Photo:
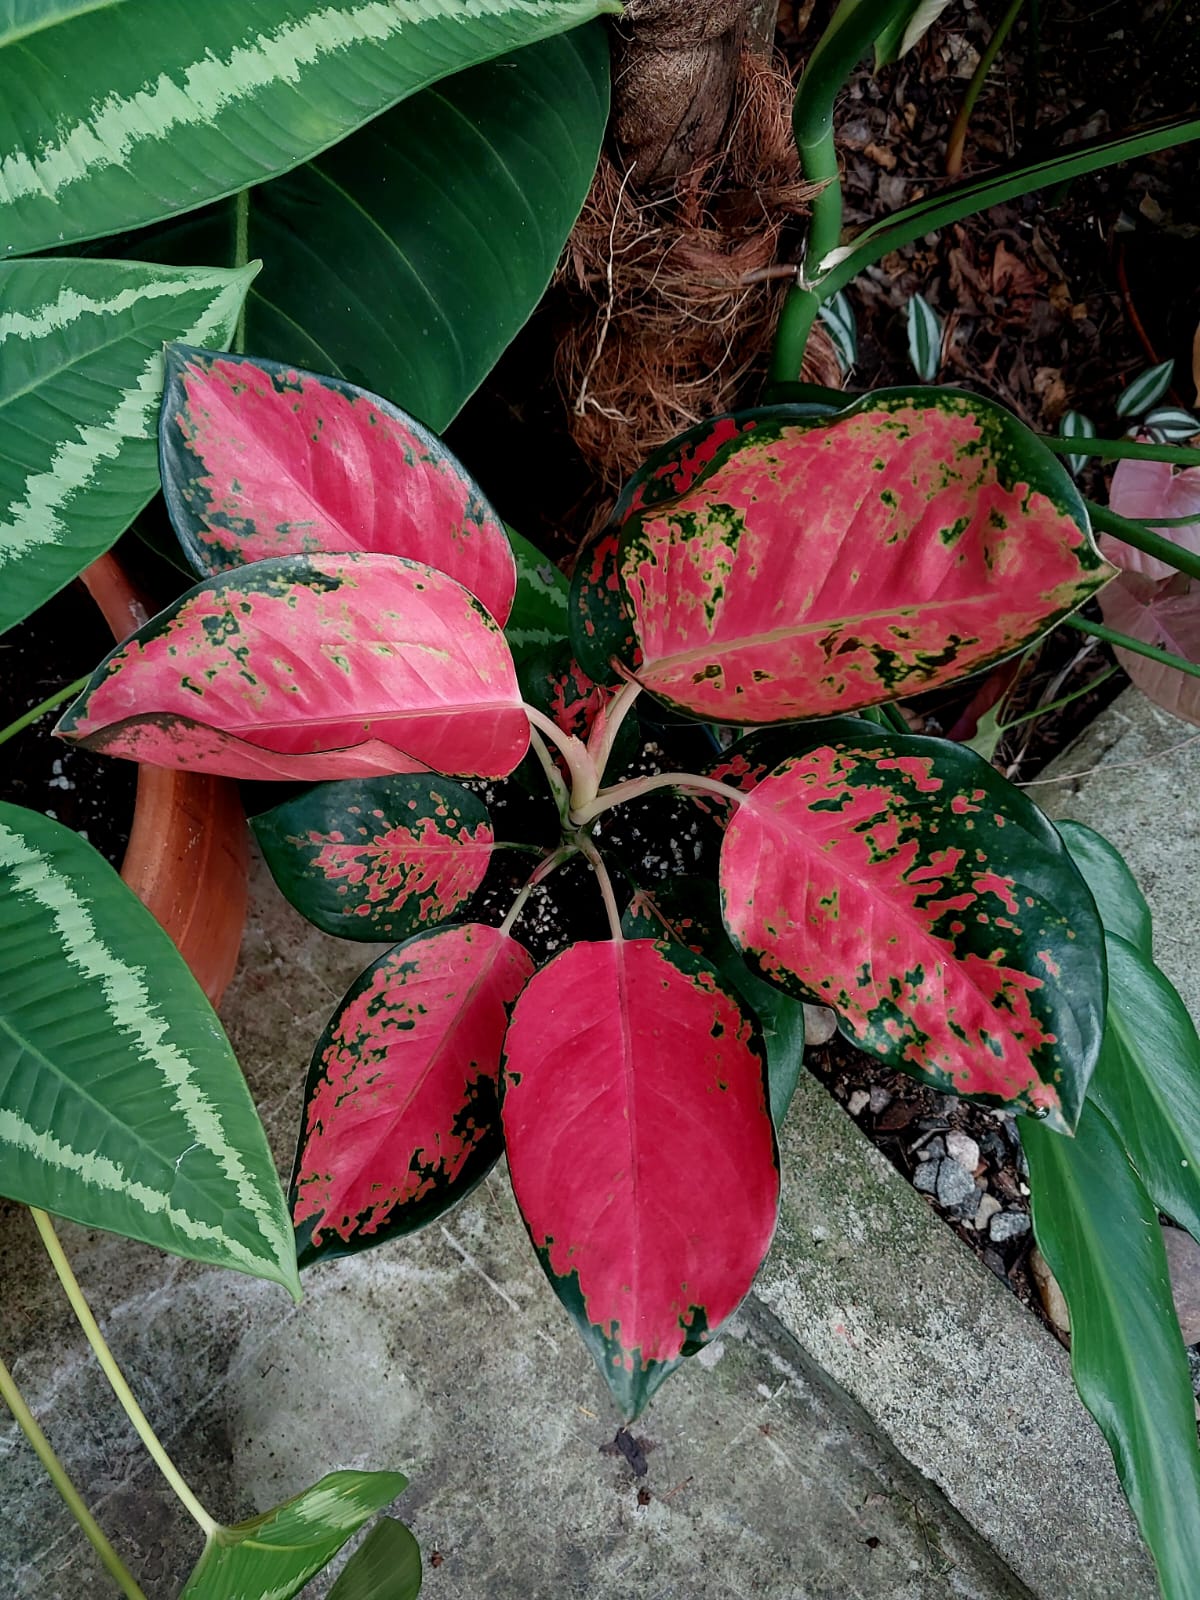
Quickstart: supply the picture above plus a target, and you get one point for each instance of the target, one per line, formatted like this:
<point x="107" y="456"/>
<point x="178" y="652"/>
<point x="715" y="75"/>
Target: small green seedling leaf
<point x="1146" y="390"/>
<point x="386" y="1566"/>
<point x="1076" y="426"/>
<point x="838" y="316"/>
<point x="924" y="338"/>
<point x="273" y="1556"/>
<point x="1170" y="425"/>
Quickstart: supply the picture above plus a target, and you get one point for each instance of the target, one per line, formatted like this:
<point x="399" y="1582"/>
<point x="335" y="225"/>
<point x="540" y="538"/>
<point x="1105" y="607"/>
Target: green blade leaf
<point x="1099" y="1231"/>
<point x="273" y="1556"/>
<point x="1145" y="390"/>
<point x="81" y="372"/>
<point x="20" y="18"/>
<point x="924" y="338"/>
<point x="121" y="1104"/>
<point x="910" y="22"/>
<point x="95" y="110"/>
<point x="386" y="1566"/>
<point x="1121" y="904"/>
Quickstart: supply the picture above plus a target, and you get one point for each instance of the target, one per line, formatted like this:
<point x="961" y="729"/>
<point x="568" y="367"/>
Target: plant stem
<point x="1121" y="450"/>
<point x="540" y="873"/>
<point x="562" y="795"/>
<point x="1126" y="642"/>
<point x="83" y="1314"/>
<point x="633" y="788"/>
<point x="893" y="718"/>
<point x="1063" y="700"/>
<point x="606" y="889"/>
<point x="28" y="1425"/>
<point x="56" y="699"/>
<point x="616" y="711"/>
<point x="241" y="254"/>
<point x="1141" y="538"/>
<point x="854" y="27"/>
<point x="584" y="781"/>
<point x="958" y="133"/>
<point x="1165" y="522"/>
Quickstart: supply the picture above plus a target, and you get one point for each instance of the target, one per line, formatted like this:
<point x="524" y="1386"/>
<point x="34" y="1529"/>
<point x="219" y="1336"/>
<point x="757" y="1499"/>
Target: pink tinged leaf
<point x="380" y="859"/>
<point x="1165" y="613"/>
<point x="641" y="1150"/>
<point x="933" y="907"/>
<point x="1145" y="490"/>
<point x="401" y="1118"/>
<point x="324" y="666"/>
<point x="821" y="567"/>
<point x="261" y="460"/>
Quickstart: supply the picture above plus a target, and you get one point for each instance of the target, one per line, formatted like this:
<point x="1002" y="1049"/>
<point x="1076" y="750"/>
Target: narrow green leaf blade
<point x="273" y="1556"/>
<point x="1099" y="1231"/>
<point x="1119" y="900"/>
<point x="20" y="18"/>
<point x="95" y="110"/>
<point x="386" y="1566"/>
<point x="121" y="1104"/>
<point x="924" y="338"/>
<point x="1076" y="426"/>
<point x="81" y="372"/>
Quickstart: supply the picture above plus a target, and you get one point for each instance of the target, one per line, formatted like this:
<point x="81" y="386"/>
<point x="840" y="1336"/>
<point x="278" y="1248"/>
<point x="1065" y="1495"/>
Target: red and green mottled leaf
<point x="813" y="567"/>
<point x="380" y="858"/>
<point x="401" y="1118"/>
<point x="597" y="613"/>
<point x="906" y="884"/>
<point x="748" y="760"/>
<point x="324" y="666"/>
<point x="554" y="682"/>
<point x="641" y="1150"/>
<point x="259" y="459"/>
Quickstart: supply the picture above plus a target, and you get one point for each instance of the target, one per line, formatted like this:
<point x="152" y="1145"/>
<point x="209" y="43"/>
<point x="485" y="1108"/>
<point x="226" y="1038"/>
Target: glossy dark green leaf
<point x="95" y="110"/>
<point x="121" y="1103"/>
<point x="1099" y="1231"/>
<point x="538" y="619"/>
<point x="386" y="1566"/>
<point x="273" y="1556"/>
<point x="1119" y="900"/>
<point x="378" y="858"/>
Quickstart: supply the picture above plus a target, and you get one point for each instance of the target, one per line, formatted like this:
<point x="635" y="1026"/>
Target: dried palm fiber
<point x="668" y="311"/>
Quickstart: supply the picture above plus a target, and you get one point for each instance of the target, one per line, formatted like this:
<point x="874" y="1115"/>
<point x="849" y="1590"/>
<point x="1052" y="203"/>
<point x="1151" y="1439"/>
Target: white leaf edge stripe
<point x="924" y="338"/>
<point x="131" y="1011"/>
<point x="213" y="85"/>
<point x="1147" y="388"/>
<point x="36" y="519"/>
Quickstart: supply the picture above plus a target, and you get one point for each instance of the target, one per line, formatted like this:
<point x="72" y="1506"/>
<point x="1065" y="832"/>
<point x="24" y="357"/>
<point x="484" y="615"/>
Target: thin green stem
<point x="91" y="1329"/>
<point x="1063" y="700"/>
<point x="633" y="788"/>
<point x="1179" y="455"/>
<point x="44" y="1451"/>
<point x="893" y="718"/>
<point x="1166" y="522"/>
<point x="606" y="888"/>
<point x="56" y="699"/>
<point x="541" y="872"/>
<point x="584" y="781"/>
<point x="615" y="713"/>
<point x="1143" y="539"/>
<point x="1126" y="642"/>
<point x="241" y="254"/>
<point x="958" y="133"/>
<point x="560" y="791"/>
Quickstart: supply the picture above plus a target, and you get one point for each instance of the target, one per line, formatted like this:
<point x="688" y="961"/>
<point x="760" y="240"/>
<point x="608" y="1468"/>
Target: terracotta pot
<point x="188" y="855"/>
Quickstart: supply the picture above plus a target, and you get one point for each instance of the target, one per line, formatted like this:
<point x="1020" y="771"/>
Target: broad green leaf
<point x="378" y="858"/>
<point x="81" y="372"/>
<point x="95" y="111"/>
<point x="1145" y="390"/>
<point x="924" y="338"/>
<point x="641" y="1150"/>
<point x="20" y="18"/>
<point x="273" y="1556"/>
<point x="401" y="1108"/>
<point x="121" y="1104"/>
<point x="1119" y="900"/>
<point x="538" y="618"/>
<point x="906" y="884"/>
<point x="798" y="566"/>
<point x="1098" y="1229"/>
<point x="386" y="1566"/>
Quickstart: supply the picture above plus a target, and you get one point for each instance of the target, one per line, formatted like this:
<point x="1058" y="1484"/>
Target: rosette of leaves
<point x="355" y="624"/>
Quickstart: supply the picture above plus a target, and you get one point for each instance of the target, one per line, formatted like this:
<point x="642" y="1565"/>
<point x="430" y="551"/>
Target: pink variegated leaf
<point x="401" y="1115"/>
<point x="380" y="859"/>
<point x="1145" y="490"/>
<point x="814" y="567"/>
<point x="260" y="459"/>
<point x="1165" y="613"/>
<point x="641" y="1150"/>
<point x="324" y="666"/>
<point x="905" y="883"/>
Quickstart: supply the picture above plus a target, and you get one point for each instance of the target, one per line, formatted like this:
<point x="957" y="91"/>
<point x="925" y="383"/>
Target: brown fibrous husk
<point x="671" y="304"/>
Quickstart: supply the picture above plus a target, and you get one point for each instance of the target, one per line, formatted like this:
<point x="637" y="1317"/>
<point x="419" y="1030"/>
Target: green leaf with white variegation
<point x="1146" y="390"/>
<point x="911" y="20"/>
<point x="273" y="1556"/>
<point x="95" y="110"/>
<point x="386" y="1566"/>
<point x="538" y="618"/>
<point x="838" y="316"/>
<point x="1076" y="426"/>
<point x="121" y="1103"/>
<point x="924" y="338"/>
<point x="81" y="372"/>
<point x="1098" y="1230"/>
<point x="1170" y="425"/>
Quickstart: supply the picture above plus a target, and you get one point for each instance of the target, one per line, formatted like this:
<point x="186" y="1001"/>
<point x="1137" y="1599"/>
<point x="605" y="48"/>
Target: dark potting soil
<point x="92" y="794"/>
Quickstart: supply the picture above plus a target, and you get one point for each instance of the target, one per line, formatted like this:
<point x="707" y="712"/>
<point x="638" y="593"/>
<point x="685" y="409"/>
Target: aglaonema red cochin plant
<point x="781" y="570"/>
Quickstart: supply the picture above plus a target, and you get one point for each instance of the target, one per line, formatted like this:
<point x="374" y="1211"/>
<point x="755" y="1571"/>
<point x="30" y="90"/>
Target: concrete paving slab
<point x="448" y="1357"/>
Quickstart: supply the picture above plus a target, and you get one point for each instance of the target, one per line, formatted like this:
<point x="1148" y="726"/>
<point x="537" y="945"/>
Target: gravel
<point x="1006" y="1225"/>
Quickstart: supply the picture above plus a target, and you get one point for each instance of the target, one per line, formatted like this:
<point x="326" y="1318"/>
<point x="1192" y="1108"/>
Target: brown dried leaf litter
<point x="670" y="309"/>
